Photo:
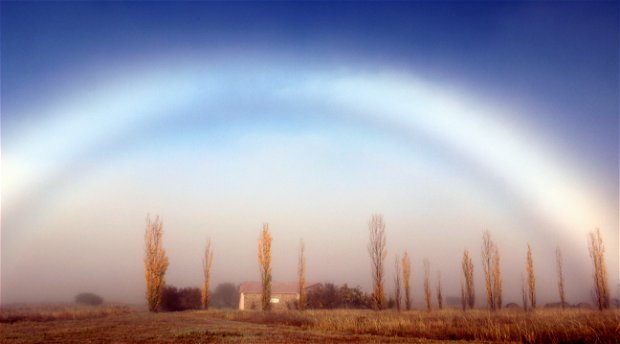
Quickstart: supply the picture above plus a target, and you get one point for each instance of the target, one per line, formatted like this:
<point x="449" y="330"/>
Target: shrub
<point x="174" y="299"/>
<point x="226" y="295"/>
<point x="190" y="298"/>
<point x="328" y="296"/>
<point x="88" y="299"/>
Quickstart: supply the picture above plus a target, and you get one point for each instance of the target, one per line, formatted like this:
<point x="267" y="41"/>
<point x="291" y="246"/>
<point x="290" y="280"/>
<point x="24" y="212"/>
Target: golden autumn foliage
<point x="497" y="279"/>
<point x="377" y="251"/>
<point x="468" y="292"/>
<point x="439" y="291"/>
<point x="301" y="275"/>
<point x="264" y="263"/>
<point x="492" y="272"/>
<point x="531" y="279"/>
<point x="406" y="264"/>
<point x="397" y="292"/>
<point x="597" y="253"/>
<point x="524" y="293"/>
<point x="207" y="260"/>
<point x="559" y="264"/>
<point x="428" y="293"/>
<point x="155" y="262"/>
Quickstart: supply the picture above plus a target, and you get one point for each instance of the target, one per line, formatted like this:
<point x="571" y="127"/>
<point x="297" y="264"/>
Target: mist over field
<point x="448" y="119"/>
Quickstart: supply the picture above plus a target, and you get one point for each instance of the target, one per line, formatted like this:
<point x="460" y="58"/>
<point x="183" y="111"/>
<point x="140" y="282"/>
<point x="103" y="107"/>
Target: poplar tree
<point x="264" y="263"/>
<point x="155" y="263"/>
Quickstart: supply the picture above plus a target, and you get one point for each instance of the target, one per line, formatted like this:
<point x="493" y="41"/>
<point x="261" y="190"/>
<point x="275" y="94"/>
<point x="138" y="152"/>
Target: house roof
<point x="277" y="287"/>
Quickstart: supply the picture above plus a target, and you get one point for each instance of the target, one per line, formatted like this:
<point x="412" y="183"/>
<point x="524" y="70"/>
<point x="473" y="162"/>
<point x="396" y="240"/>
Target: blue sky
<point x="447" y="117"/>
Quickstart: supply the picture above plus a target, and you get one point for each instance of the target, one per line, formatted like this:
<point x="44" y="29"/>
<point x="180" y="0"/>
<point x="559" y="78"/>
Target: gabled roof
<point x="277" y="287"/>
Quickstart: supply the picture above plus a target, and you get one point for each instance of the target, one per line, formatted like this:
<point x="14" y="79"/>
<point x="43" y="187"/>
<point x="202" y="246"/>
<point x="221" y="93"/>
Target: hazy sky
<point x="447" y="118"/>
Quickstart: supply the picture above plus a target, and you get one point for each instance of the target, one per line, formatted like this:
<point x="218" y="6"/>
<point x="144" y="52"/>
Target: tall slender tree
<point x="207" y="261"/>
<point x="439" y="291"/>
<point x="559" y="264"/>
<point x="597" y="253"/>
<point x="264" y="263"/>
<point x="497" y="279"/>
<point x="524" y="296"/>
<point x="531" y="279"/>
<point x="428" y="293"/>
<point x="487" y="266"/>
<point x="378" y="252"/>
<point x="406" y="279"/>
<point x="463" y="298"/>
<point x="397" y="296"/>
<point x="301" y="275"/>
<point x="492" y="272"/>
<point x="155" y="262"/>
<point x="468" y="274"/>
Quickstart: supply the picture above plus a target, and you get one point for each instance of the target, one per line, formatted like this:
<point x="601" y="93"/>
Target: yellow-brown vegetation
<point x="497" y="279"/>
<point x="559" y="264"/>
<point x="397" y="296"/>
<point x="377" y="251"/>
<point x="428" y="293"/>
<point x="155" y="262"/>
<point x="597" y="253"/>
<point x="468" y="293"/>
<point x="492" y="272"/>
<point x="264" y="263"/>
<point x="531" y="279"/>
<point x="406" y="263"/>
<point x="207" y="260"/>
<point x="439" y="291"/>
<point x="539" y="326"/>
<point x="301" y="275"/>
<point x="312" y="326"/>
<point x="59" y="312"/>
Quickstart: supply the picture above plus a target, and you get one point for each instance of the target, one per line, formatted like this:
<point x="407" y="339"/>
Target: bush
<point x="226" y="295"/>
<point x="329" y="296"/>
<point x="174" y="299"/>
<point x="88" y="299"/>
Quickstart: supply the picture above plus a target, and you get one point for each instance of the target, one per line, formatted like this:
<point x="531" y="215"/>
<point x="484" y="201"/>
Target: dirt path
<point x="185" y="327"/>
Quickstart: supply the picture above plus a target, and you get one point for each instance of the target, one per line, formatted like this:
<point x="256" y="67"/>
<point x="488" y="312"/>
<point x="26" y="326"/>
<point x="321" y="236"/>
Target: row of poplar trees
<point x="491" y="268"/>
<point x="156" y="264"/>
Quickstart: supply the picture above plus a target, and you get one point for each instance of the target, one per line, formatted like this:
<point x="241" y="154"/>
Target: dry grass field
<point x="124" y="325"/>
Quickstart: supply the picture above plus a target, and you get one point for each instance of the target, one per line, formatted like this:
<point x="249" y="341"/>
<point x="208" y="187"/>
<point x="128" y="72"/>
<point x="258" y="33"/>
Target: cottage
<point x="284" y="295"/>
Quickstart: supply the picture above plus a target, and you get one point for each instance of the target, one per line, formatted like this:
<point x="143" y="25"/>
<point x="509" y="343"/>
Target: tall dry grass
<point x="59" y="312"/>
<point x="537" y="326"/>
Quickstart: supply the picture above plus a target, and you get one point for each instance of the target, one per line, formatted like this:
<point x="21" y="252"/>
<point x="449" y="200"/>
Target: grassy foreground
<point x="123" y="325"/>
